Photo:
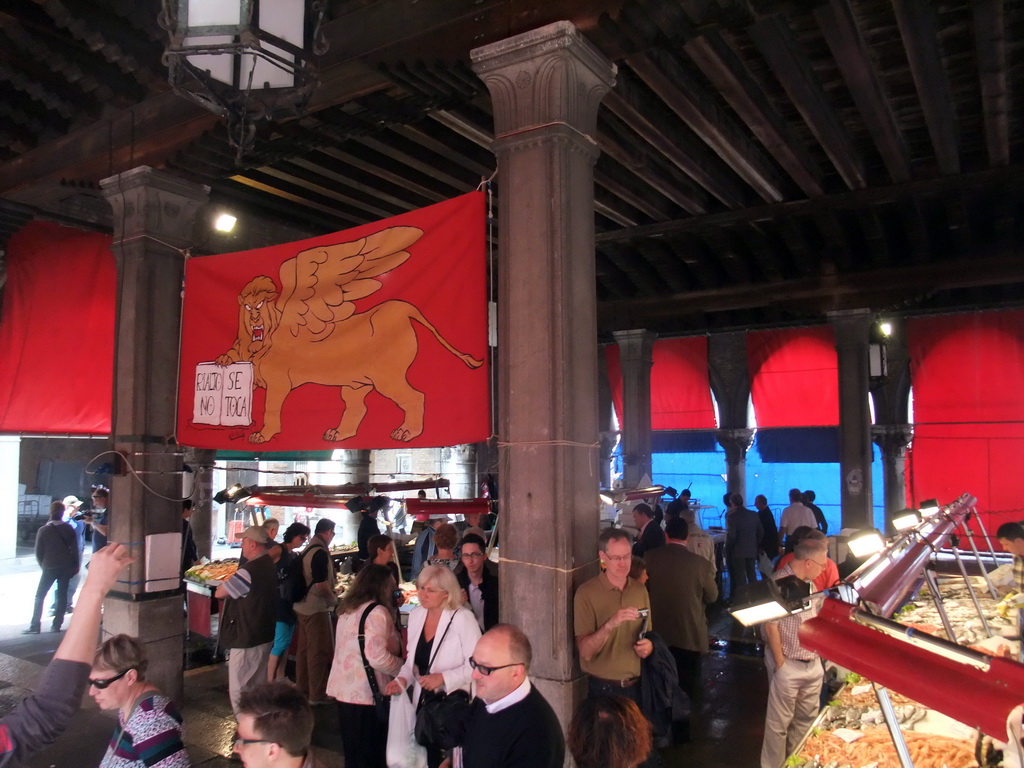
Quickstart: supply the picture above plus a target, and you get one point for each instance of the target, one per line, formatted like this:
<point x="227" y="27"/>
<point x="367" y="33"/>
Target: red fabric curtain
<point x="57" y="332"/>
<point x="968" y="377"/>
<point x="794" y="377"/>
<point x="680" y="393"/>
<point x="375" y="337"/>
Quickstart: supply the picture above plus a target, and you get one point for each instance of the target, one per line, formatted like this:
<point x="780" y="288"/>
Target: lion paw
<point x="402" y="434"/>
<point x="257" y="437"/>
<point x="334" y="436"/>
<point x="223" y="360"/>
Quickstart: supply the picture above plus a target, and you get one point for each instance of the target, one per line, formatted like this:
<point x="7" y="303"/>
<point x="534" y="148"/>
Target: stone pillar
<point x="636" y="357"/>
<point x="154" y="217"/>
<point x="852" y="328"/>
<point x="198" y="485"/>
<point x="546" y="86"/>
<point x="736" y="442"/>
<point x="458" y="464"/>
<point x="356" y="465"/>
<point x="10" y="464"/>
<point x="893" y="441"/>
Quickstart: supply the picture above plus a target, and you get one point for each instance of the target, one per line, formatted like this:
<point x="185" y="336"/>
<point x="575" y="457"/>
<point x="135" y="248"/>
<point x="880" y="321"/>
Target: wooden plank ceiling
<point x="762" y="163"/>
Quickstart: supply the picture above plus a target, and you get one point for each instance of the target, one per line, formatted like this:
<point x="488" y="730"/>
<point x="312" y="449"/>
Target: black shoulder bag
<point x="441" y="717"/>
<point x="381" y="703"/>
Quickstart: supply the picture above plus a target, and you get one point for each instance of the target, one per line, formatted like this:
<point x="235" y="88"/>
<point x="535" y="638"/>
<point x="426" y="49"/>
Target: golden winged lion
<point x="311" y="333"/>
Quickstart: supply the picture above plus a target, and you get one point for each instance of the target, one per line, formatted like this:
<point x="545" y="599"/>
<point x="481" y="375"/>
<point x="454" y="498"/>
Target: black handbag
<point x="381" y="703"/>
<point x="441" y="717"/>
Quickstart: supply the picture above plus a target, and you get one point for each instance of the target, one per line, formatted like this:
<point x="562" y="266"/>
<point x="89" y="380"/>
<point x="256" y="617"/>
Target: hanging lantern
<point x="245" y="60"/>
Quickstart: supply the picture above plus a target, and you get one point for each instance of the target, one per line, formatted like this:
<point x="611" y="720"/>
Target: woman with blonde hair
<point x="148" y="731"/>
<point x="442" y="636"/>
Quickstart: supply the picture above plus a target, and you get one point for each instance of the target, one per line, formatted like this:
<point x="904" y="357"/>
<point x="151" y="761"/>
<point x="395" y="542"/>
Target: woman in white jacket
<point x="442" y="636"/>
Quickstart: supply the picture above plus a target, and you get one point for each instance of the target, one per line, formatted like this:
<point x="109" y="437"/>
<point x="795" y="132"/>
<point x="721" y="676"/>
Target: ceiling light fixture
<point x="225" y="222"/>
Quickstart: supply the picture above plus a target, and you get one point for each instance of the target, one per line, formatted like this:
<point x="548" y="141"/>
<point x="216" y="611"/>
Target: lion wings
<point x="320" y="285"/>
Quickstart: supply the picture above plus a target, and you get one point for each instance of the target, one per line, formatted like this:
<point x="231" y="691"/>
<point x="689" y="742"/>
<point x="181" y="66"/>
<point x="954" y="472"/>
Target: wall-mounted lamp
<point x="225" y="222"/>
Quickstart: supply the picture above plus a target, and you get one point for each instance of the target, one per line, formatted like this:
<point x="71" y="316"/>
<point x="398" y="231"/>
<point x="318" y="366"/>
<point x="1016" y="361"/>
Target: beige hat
<point x="255" y="532"/>
<point x="72" y="501"/>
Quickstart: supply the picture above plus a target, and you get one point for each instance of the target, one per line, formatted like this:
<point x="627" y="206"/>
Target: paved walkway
<point x="727" y="731"/>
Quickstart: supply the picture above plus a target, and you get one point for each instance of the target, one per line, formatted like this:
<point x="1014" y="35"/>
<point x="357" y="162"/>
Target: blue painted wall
<point x="702" y="468"/>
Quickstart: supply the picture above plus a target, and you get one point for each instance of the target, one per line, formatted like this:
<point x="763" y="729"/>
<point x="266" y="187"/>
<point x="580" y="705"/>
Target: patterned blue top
<point x="150" y="739"/>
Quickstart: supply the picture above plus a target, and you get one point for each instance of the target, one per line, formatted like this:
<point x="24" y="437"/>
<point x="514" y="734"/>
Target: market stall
<point x="933" y="678"/>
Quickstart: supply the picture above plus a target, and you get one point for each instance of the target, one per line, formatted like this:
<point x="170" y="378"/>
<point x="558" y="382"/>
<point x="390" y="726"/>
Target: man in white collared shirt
<point x="510" y="724"/>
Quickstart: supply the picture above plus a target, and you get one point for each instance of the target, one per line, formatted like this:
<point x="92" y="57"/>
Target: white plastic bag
<point x="403" y="751"/>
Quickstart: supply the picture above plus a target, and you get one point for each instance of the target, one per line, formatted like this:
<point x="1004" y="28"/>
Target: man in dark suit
<point x="743" y="534"/>
<point x="680" y="584"/>
<point x="649" y="534"/>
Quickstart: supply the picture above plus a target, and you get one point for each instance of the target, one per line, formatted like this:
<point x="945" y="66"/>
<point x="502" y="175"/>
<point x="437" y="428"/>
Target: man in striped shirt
<point x="794" y="672"/>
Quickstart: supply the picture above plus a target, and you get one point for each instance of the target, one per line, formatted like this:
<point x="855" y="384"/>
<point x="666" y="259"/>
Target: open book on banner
<point x="374" y="337"/>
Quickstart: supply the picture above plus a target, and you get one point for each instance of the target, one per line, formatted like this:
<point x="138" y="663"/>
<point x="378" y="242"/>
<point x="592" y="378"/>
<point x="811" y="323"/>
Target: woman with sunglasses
<point x="148" y="733"/>
<point x="442" y="636"/>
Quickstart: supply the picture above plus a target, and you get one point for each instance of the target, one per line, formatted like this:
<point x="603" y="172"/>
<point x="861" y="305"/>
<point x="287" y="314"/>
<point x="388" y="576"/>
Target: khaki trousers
<point x="314" y="654"/>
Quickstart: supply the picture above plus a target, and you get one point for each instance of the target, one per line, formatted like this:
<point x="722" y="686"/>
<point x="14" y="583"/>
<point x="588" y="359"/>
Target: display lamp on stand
<point x="906" y="519"/>
<point x="770" y="599"/>
<point x="249" y="61"/>
<point x="619" y="495"/>
<point x="865" y="543"/>
<point x="929" y="508"/>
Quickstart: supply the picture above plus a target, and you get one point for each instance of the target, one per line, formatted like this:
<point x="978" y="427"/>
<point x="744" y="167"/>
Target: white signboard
<point x="223" y="395"/>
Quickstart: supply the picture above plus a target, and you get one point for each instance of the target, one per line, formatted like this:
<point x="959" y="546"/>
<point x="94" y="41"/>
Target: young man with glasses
<point x="794" y="672"/>
<point x="510" y="725"/>
<point x="275" y="727"/>
<point x="479" y="579"/>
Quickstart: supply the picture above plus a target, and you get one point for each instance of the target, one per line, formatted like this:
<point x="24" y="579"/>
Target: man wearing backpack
<point x="316" y="647"/>
<point x="288" y="568"/>
<point x="57" y="555"/>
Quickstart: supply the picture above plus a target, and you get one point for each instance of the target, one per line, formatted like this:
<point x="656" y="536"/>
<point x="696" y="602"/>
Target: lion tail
<point x="468" y="359"/>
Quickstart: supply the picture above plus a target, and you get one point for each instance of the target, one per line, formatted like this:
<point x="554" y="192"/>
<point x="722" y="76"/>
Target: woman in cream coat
<point x="442" y="636"/>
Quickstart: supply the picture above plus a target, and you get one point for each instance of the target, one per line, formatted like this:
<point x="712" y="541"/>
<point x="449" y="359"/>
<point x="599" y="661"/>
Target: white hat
<point x="72" y="501"/>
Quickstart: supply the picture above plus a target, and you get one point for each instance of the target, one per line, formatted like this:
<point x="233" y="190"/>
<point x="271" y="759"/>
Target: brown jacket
<point x="680" y="585"/>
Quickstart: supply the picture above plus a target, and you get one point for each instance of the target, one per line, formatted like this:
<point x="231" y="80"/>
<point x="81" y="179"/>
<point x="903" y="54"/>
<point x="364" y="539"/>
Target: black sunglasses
<point x="104" y="684"/>
<point x="238" y="741"/>
<point x="486" y="671"/>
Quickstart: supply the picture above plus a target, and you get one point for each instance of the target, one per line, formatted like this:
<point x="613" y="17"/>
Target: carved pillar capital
<point x="892" y="439"/>
<point x="546" y="86"/>
<point x="736" y="443"/>
<point x="154" y="205"/>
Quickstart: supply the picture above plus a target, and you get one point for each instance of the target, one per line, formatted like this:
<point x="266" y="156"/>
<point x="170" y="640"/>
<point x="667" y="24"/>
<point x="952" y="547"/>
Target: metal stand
<point x="974" y="549"/>
<point x="893" y="725"/>
<point x="988" y="540"/>
<point x="970" y="589"/>
<point x="933" y="587"/>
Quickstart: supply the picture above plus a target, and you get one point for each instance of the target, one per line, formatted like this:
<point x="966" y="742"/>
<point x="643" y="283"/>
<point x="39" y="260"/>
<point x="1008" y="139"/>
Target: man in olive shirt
<point x="608" y="622"/>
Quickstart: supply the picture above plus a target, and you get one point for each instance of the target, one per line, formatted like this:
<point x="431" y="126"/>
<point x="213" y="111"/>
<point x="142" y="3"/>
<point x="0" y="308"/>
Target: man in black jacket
<point x="510" y="724"/>
<point x="57" y="555"/>
<point x="479" y="578"/>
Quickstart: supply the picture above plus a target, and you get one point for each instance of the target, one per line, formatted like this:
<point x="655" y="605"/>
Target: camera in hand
<point x="87" y="516"/>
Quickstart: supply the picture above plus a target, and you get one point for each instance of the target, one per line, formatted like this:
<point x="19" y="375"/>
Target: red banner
<point x="57" y="332"/>
<point x="794" y="377"/>
<point x="680" y="393"/>
<point x="375" y="337"/>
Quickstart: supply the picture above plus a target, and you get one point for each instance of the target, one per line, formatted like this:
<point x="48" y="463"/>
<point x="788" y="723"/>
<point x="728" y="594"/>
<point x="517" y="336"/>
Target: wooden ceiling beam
<point x="1011" y="178"/>
<point x="919" y="30"/>
<point x="625" y="103"/>
<point x="332" y="193"/>
<point x="299" y="200"/>
<point x="375" y="169"/>
<point x="781" y="50"/>
<point x="851" y="55"/>
<point x="871" y="288"/>
<point x="990" y="42"/>
<point x="351" y="185"/>
<point x="716" y="128"/>
<point x="722" y="67"/>
<point x="618" y="142"/>
<point x="603" y="177"/>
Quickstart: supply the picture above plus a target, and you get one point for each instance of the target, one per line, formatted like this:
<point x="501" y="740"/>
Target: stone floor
<point x="727" y="729"/>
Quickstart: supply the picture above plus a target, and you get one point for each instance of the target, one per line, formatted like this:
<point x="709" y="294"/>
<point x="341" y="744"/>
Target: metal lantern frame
<point x="231" y="88"/>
